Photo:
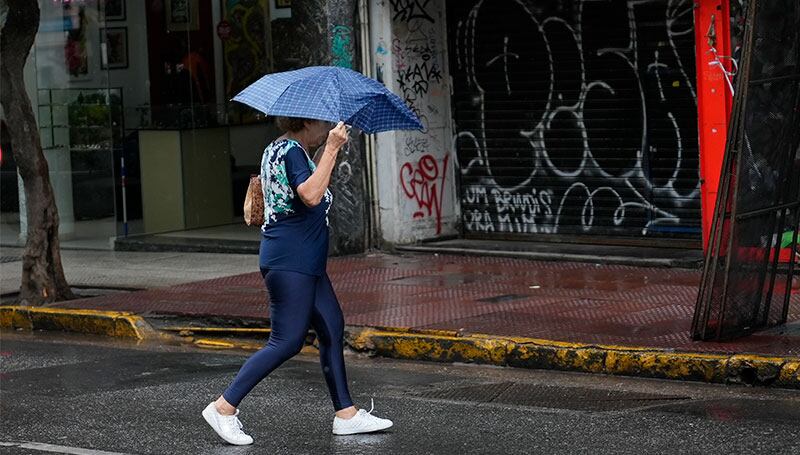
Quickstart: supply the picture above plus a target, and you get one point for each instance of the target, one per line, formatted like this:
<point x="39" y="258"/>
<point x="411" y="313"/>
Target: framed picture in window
<point x="114" y="48"/>
<point x="182" y="15"/>
<point x="113" y="10"/>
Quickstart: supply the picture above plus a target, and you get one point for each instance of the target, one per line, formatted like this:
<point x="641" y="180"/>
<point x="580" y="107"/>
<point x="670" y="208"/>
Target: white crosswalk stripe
<point x="52" y="448"/>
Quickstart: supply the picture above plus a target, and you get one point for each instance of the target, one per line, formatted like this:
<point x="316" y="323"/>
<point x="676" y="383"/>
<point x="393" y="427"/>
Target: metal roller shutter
<point x="575" y="117"/>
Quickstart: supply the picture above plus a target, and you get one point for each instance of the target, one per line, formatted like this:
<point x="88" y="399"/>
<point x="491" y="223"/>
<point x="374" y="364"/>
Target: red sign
<point x="224" y="30"/>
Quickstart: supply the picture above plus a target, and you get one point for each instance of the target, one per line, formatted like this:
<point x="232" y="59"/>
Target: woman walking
<point x="292" y="259"/>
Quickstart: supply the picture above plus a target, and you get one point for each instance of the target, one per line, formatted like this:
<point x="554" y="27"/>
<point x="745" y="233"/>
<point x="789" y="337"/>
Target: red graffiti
<point x="424" y="183"/>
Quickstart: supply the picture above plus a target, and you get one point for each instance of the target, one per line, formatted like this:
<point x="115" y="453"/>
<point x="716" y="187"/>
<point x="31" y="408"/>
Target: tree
<point x="43" y="277"/>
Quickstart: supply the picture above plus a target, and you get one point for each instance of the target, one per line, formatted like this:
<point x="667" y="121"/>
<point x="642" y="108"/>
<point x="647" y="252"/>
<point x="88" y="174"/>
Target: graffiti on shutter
<point x="576" y="117"/>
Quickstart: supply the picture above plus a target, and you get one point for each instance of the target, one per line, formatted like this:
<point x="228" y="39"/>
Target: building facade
<point x="543" y="120"/>
<point x="575" y="119"/>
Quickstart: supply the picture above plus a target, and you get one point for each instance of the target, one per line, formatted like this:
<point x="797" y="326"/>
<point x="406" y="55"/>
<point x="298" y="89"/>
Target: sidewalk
<point x="129" y="270"/>
<point x="570" y="302"/>
<point x="529" y="302"/>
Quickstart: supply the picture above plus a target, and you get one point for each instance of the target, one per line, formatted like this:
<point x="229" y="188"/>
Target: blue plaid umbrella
<point x="333" y="94"/>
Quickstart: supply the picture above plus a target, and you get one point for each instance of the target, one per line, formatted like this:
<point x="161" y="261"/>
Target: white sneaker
<point x="362" y="422"/>
<point x="228" y="428"/>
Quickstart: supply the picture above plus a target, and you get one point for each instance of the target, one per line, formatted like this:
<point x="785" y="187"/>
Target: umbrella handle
<point x="346" y="148"/>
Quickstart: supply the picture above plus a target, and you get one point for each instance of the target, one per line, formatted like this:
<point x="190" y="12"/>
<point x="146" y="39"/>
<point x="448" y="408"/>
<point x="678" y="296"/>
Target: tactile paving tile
<point x="646" y="318"/>
<point x="612" y="304"/>
<point x="462" y="293"/>
<point x="591" y="311"/>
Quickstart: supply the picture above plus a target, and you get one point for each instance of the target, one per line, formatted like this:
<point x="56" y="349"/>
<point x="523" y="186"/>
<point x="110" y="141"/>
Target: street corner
<point x="90" y="322"/>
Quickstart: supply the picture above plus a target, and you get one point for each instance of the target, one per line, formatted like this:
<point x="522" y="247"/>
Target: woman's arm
<point x="318" y="155"/>
<point x="313" y="189"/>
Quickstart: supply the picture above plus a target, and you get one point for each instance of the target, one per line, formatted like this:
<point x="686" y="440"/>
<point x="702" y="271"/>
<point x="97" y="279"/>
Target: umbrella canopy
<point x="333" y="94"/>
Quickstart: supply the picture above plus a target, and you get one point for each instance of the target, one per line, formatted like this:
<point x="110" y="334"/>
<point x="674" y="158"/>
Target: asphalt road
<point x="71" y="394"/>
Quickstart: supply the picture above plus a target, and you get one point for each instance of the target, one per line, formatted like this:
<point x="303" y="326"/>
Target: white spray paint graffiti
<point x="598" y="187"/>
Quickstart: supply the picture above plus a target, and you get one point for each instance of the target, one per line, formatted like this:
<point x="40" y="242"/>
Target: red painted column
<point x="714" y="100"/>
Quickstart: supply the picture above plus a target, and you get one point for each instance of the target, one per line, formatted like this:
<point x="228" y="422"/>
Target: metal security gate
<point x="750" y="275"/>
<point x="576" y="117"/>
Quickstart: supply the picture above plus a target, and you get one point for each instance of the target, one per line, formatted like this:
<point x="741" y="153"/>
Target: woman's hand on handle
<point x="312" y="190"/>
<point x="337" y="137"/>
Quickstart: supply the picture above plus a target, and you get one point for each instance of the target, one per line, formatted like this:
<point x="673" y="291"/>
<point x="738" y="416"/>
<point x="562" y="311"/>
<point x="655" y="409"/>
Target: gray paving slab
<point x="139" y="270"/>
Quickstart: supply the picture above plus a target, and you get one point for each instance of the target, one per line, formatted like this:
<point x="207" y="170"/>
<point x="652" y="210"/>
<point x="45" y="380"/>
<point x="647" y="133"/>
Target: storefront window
<point x="132" y="99"/>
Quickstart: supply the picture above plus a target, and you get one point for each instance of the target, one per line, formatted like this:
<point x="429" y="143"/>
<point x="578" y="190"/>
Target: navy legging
<point x="298" y="300"/>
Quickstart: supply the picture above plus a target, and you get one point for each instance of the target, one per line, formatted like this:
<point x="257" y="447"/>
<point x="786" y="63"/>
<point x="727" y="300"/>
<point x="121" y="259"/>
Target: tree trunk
<point x="43" y="277"/>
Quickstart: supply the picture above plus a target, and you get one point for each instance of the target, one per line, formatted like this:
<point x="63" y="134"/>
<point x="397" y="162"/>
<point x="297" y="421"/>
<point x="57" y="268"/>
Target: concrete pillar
<point x="332" y="23"/>
<point x="416" y="169"/>
<point x="387" y="171"/>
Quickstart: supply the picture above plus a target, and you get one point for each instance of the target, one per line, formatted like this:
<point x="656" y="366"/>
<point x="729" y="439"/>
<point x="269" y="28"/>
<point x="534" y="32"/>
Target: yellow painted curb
<point x="557" y="355"/>
<point x="213" y="344"/>
<point x="449" y="346"/>
<point x="108" y="323"/>
<point x="217" y="331"/>
<point x="790" y="375"/>
<point x="227" y="343"/>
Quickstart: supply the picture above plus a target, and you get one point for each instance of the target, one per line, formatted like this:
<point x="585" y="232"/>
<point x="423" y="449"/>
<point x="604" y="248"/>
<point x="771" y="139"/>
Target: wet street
<point x="79" y="395"/>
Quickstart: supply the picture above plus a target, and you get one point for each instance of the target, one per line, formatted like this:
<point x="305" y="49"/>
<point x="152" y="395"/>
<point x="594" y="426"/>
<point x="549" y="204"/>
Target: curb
<point x="445" y="346"/>
<point x="108" y="323"/>
<point x="154" y="243"/>
<point x="750" y="369"/>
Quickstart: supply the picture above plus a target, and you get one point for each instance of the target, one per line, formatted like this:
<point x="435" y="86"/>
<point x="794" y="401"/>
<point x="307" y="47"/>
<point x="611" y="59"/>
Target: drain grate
<point x="6" y="259"/>
<point x="534" y="395"/>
